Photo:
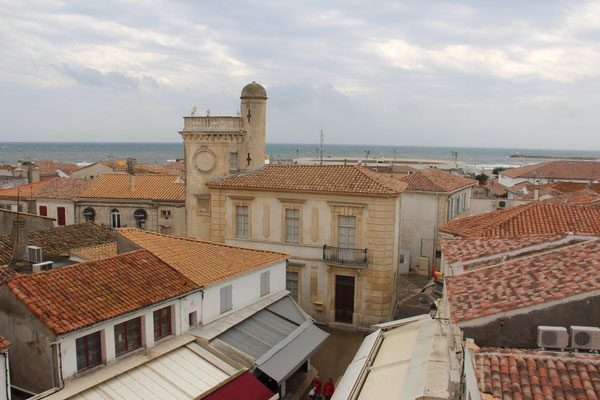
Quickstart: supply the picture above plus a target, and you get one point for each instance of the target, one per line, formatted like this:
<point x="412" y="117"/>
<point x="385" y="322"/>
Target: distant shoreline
<point x="556" y="157"/>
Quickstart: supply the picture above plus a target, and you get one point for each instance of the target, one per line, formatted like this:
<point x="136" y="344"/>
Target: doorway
<point x="344" y="298"/>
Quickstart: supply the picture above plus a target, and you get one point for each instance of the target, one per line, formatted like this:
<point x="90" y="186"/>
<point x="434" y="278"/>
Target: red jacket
<point x="328" y="389"/>
<point x="317" y="385"/>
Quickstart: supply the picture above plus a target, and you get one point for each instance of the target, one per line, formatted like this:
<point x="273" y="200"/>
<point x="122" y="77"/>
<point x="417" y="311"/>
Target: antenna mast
<point x="321" y="147"/>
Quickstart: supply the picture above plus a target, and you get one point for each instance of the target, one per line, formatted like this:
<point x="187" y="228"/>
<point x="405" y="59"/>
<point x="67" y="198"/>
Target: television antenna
<point x="321" y="146"/>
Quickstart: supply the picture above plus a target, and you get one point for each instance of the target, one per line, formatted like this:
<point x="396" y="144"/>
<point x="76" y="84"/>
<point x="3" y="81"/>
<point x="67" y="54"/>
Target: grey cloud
<point x="113" y="79"/>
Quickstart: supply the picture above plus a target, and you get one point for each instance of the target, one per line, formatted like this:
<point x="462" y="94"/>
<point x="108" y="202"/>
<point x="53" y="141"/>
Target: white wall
<point x="53" y="204"/>
<point x="181" y="307"/>
<point x="4" y="377"/>
<point x="246" y="291"/>
<point x="419" y="220"/>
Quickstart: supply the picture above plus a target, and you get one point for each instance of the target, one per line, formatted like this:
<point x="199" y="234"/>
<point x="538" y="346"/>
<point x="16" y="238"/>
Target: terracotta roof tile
<point x="62" y="188"/>
<point x="525" y="282"/>
<point x="97" y="252"/>
<point x="60" y="240"/>
<point x="47" y="167"/>
<point x="435" y="180"/>
<point x="497" y="188"/>
<point x="67" y="168"/>
<point x="203" y="262"/>
<point x="6" y="274"/>
<point x="534" y="374"/>
<point x="316" y="178"/>
<point x="465" y="249"/>
<point x="4" y="344"/>
<point x="75" y="296"/>
<point x="583" y="170"/>
<point x="535" y="218"/>
<point x="147" y="187"/>
<point x="23" y="191"/>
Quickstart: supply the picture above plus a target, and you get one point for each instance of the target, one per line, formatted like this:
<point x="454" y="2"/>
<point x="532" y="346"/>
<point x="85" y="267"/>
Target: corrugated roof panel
<point x="287" y="308"/>
<point x="179" y="374"/>
<point x="289" y="358"/>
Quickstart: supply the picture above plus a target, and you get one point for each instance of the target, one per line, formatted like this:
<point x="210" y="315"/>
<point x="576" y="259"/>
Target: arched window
<point x="89" y="214"/>
<point x="115" y="219"/>
<point x="140" y="218"/>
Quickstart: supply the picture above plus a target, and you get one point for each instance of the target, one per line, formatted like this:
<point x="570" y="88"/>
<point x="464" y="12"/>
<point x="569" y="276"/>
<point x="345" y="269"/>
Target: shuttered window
<point x="226" y="298"/>
<point x="291" y="284"/>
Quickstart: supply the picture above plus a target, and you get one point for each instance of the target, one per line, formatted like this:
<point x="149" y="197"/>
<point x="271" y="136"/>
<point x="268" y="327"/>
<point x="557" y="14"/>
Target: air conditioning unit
<point x="502" y="204"/>
<point x="585" y="337"/>
<point x="553" y="337"/>
<point x="34" y="254"/>
<point x="43" y="266"/>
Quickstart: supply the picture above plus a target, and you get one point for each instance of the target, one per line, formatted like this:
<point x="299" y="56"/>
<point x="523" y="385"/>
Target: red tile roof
<point x="60" y="240"/>
<point x="6" y="274"/>
<point x="47" y="167"/>
<point x="203" y="262"/>
<point x="525" y="282"/>
<point x="435" y="180"/>
<point x="497" y="188"/>
<point x="62" y="188"/>
<point x="509" y="374"/>
<point x="67" y="168"/>
<point x="352" y="179"/>
<point x="581" y="170"/>
<point x="75" y="296"/>
<point x="146" y="187"/>
<point x="4" y="344"/>
<point x="584" y="196"/>
<point x="23" y="191"/>
<point x="536" y="218"/>
<point x="465" y="249"/>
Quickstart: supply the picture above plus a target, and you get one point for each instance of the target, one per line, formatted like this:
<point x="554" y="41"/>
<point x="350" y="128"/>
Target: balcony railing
<point x="345" y="256"/>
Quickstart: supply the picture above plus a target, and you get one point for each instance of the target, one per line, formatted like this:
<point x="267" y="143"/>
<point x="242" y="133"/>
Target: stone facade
<point x="220" y="146"/>
<point x="162" y="217"/>
<point x="377" y="230"/>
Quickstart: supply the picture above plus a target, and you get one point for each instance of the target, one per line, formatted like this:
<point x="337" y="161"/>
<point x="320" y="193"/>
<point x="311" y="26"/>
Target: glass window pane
<point x="120" y="344"/>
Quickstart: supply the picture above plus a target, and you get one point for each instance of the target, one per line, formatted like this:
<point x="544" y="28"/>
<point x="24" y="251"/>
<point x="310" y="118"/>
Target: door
<point x="44" y="211"/>
<point x="344" y="298"/>
<point x="62" y="216"/>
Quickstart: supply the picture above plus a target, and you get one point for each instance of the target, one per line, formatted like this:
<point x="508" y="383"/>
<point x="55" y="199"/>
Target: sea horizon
<point x="164" y="152"/>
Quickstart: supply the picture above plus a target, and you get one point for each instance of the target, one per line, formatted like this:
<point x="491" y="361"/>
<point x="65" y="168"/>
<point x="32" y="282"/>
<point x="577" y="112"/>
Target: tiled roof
<point x="535" y="218"/>
<point x="497" y="188"/>
<point x="525" y="282"/>
<point x="508" y="374"/>
<point x="584" y="196"/>
<point x="4" y="344"/>
<point x="583" y="170"/>
<point x="465" y="249"/>
<point x="97" y="252"/>
<point x="6" y="274"/>
<point x="515" y="189"/>
<point x="62" y="188"/>
<point x="314" y="178"/>
<point x="435" y="180"/>
<point x="23" y="191"/>
<point x="67" y="168"/>
<point x="147" y="187"/>
<point x="75" y="296"/>
<point x="203" y="262"/>
<point x="60" y="240"/>
<point x="47" y="167"/>
<point x="567" y="187"/>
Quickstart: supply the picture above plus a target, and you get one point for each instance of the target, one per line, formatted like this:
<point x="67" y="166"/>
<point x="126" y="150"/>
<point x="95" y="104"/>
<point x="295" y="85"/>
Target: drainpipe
<point x="6" y="375"/>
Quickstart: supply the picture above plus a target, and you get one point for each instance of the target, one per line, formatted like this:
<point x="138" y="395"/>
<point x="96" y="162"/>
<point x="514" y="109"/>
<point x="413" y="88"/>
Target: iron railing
<point x="345" y="256"/>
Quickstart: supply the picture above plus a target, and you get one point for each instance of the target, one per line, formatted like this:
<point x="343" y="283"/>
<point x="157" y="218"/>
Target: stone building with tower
<point x="340" y="224"/>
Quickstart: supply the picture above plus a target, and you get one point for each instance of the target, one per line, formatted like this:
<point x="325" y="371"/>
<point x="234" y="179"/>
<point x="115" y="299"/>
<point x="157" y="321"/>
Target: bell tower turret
<point x="253" y="113"/>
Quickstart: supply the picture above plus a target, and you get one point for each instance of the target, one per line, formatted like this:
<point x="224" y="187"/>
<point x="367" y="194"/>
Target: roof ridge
<point x="524" y="353"/>
<point x="190" y="239"/>
<point x="371" y="175"/>
<point x="509" y="216"/>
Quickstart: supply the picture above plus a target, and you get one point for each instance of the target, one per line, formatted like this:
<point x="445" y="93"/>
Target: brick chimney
<point x="20" y="237"/>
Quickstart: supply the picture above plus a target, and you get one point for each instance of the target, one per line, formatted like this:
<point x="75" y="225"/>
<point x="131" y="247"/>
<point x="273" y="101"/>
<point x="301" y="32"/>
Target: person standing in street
<point x="328" y="389"/>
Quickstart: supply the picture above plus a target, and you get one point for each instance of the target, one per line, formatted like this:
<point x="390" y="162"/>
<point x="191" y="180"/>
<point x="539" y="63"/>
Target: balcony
<point x="345" y="256"/>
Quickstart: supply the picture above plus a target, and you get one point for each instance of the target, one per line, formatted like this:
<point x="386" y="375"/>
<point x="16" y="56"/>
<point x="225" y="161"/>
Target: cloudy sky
<point x="480" y="73"/>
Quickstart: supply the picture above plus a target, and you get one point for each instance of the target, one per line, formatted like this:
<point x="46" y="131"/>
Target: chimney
<point x="20" y="237"/>
<point x="536" y="194"/>
<point x="132" y="180"/>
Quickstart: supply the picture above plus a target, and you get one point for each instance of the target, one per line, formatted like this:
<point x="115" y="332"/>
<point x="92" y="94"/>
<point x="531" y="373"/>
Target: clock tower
<point x="220" y="146"/>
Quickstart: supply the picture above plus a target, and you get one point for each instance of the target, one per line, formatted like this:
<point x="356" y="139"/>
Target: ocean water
<point x="160" y="153"/>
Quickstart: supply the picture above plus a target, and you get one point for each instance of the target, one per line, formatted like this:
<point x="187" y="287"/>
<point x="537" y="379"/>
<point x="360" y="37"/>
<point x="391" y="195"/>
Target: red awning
<point x="245" y="386"/>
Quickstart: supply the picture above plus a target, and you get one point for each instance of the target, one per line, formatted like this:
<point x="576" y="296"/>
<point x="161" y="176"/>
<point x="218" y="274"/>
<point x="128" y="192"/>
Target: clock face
<point x="205" y="161"/>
